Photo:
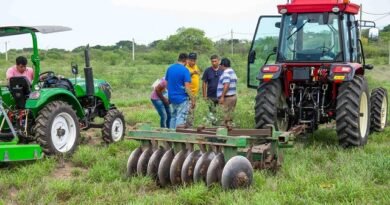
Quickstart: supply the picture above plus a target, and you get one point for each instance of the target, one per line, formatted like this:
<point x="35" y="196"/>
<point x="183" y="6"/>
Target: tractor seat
<point x="20" y="88"/>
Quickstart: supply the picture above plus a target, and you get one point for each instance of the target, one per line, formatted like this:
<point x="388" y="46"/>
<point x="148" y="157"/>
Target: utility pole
<point x="361" y="18"/>
<point x="231" y="39"/>
<point x="389" y="52"/>
<point x="6" y="51"/>
<point x="133" y="49"/>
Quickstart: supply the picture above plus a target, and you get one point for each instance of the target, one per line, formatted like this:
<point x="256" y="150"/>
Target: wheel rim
<point x="383" y="113"/>
<point x="363" y="119"/>
<point x="117" y="129"/>
<point x="282" y="122"/>
<point x="63" y="132"/>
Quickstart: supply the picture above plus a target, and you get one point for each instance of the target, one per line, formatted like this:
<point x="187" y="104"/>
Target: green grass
<point x="315" y="171"/>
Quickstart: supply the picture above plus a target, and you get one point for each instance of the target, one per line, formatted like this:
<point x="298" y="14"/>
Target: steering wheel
<point x="324" y="49"/>
<point x="46" y="75"/>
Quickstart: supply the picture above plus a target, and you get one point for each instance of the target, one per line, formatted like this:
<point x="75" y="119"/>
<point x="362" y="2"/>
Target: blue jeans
<point x="179" y="114"/>
<point x="164" y="111"/>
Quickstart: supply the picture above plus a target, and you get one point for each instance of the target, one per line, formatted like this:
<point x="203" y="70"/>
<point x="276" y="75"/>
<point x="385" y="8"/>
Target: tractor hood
<point x="18" y="30"/>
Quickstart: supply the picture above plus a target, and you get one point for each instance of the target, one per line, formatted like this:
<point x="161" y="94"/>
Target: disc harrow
<point x="222" y="156"/>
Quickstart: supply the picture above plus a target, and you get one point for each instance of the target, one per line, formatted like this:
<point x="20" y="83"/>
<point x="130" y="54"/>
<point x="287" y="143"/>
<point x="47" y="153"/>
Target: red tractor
<point x="310" y="64"/>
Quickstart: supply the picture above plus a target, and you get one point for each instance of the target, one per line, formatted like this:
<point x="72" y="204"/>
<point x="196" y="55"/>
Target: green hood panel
<point x="102" y="90"/>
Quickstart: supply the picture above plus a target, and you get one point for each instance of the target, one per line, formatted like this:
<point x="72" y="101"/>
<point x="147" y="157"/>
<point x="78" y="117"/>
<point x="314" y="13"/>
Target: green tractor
<point x="51" y="110"/>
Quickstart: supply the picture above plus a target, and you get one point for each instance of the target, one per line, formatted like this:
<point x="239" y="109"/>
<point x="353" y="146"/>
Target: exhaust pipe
<point x="89" y="85"/>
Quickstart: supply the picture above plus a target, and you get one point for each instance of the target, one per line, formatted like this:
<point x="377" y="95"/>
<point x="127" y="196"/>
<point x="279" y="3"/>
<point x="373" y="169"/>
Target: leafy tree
<point x="386" y="28"/>
<point x="185" y="40"/>
<point x="124" y="44"/>
<point x="223" y="46"/>
<point x="154" y="43"/>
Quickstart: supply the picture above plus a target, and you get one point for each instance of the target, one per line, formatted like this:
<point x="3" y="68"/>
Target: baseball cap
<point x="192" y="56"/>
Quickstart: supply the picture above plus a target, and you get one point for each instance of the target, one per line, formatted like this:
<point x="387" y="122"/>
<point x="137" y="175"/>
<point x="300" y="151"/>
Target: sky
<point x="105" y="22"/>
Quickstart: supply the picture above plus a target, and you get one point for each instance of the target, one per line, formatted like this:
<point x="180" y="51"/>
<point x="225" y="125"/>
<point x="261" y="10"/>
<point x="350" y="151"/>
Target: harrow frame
<point x="259" y="148"/>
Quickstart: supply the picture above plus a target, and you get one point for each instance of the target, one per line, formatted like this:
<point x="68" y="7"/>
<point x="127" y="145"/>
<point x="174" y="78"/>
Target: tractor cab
<point x="308" y="67"/>
<point x="309" y="32"/>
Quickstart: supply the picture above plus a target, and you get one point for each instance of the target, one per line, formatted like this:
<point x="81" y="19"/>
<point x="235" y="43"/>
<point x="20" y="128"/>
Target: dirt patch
<point x="13" y="194"/>
<point x="66" y="170"/>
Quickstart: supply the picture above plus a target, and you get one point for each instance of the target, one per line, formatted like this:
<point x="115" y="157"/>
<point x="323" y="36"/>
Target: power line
<point x="220" y="35"/>
<point x="251" y="34"/>
<point x="376" y="14"/>
<point x="382" y="17"/>
<point x="237" y="33"/>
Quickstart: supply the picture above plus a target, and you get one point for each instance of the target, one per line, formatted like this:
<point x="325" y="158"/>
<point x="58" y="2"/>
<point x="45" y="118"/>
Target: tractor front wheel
<point x="378" y="109"/>
<point x="57" y="129"/>
<point x="114" y="126"/>
<point x="353" y="113"/>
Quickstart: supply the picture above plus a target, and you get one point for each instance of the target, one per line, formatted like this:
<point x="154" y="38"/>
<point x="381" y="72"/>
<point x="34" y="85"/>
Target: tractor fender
<point x="38" y="99"/>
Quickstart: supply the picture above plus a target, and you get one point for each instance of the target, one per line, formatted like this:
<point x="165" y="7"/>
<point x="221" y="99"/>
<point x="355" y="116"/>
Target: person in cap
<point x="195" y="77"/>
<point x="179" y="91"/>
<point x="210" y="80"/>
<point x="227" y="91"/>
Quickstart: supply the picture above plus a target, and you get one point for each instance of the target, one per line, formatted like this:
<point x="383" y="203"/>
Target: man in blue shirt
<point x="179" y="79"/>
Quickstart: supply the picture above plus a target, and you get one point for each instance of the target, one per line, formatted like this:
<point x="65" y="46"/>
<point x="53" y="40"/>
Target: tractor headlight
<point x="35" y="95"/>
<point x="283" y="10"/>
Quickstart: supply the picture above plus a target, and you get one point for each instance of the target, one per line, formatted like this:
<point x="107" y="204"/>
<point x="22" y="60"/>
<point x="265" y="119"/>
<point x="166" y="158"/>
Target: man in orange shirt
<point x="195" y="78"/>
<point x="20" y="69"/>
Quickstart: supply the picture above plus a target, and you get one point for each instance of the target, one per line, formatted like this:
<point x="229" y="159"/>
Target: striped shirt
<point x="230" y="77"/>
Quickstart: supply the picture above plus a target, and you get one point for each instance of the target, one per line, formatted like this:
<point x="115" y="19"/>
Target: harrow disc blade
<point x="202" y="165"/>
<point x="237" y="173"/>
<point x="143" y="161"/>
<point x="154" y="162"/>
<point x="164" y="166"/>
<point x="187" y="171"/>
<point x="175" y="170"/>
<point x="132" y="162"/>
<point x="214" y="172"/>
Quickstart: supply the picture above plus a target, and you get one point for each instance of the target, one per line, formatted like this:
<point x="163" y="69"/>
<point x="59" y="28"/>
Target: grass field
<point x="315" y="171"/>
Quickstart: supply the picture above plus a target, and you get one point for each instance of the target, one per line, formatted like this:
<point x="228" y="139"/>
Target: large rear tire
<point x="379" y="105"/>
<point x="57" y="128"/>
<point x="270" y="101"/>
<point x="353" y="113"/>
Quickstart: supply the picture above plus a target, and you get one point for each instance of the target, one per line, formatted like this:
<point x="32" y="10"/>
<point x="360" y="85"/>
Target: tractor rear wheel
<point x="114" y="126"/>
<point x="57" y="128"/>
<point x="271" y="106"/>
<point x="379" y="105"/>
<point x="353" y="113"/>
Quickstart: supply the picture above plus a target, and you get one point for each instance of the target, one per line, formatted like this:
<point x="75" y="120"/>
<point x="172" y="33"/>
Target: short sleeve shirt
<point x="194" y="72"/>
<point x="13" y="72"/>
<point x="230" y="77"/>
<point x="211" y="77"/>
<point x="176" y="76"/>
<point x="163" y="84"/>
